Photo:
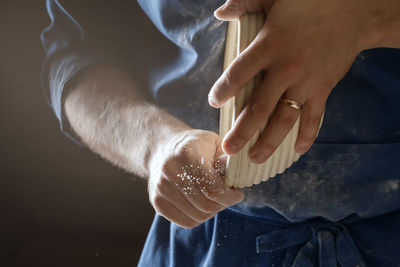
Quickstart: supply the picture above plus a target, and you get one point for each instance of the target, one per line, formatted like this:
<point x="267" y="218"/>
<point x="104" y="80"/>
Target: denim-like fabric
<point x="353" y="170"/>
<point x="232" y="240"/>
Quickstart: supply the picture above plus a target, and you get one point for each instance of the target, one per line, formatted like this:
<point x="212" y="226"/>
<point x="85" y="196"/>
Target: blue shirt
<point x="350" y="174"/>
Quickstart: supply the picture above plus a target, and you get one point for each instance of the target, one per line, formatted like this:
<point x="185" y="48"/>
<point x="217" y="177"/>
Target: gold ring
<point x="291" y="103"/>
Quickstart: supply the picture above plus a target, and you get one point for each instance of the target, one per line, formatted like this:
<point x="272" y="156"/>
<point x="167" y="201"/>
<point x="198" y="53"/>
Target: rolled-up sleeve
<point x="98" y="32"/>
<point x="55" y="77"/>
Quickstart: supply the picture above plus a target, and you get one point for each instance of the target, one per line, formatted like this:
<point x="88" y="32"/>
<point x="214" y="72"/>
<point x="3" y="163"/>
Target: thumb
<point x="234" y="9"/>
<point x="220" y="157"/>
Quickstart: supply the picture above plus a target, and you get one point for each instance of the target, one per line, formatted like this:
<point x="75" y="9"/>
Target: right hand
<point x="303" y="50"/>
<point x="186" y="184"/>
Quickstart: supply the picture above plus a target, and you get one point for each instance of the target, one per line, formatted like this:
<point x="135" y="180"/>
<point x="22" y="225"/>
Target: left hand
<point x="186" y="184"/>
<point x="304" y="49"/>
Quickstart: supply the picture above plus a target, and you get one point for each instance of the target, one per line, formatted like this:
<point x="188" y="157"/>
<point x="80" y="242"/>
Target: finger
<point x="175" y="196"/>
<point x="166" y="209"/>
<point x="192" y="187"/>
<point x="220" y="158"/>
<point x="192" y="181"/>
<point x="233" y="9"/>
<point x="232" y="195"/>
<point x="220" y="164"/>
<point x="257" y="111"/>
<point x="206" y="190"/>
<point x="247" y="65"/>
<point x="281" y="122"/>
<point x="224" y="195"/>
<point x="199" y="182"/>
<point x="197" y="178"/>
<point x="217" y="191"/>
<point x="187" y="186"/>
<point x="310" y="122"/>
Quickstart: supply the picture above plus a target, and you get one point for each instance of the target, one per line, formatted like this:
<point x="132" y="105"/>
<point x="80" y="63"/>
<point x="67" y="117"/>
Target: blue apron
<point x="319" y="211"/>
<point x="337" y="206"/>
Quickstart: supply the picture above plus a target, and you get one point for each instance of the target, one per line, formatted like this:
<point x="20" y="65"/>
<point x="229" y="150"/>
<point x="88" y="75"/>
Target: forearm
<point x="113" y="118"/>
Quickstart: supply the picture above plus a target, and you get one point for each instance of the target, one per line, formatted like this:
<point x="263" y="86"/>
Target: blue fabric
<point x="337" y="206"/>
<point x="231" y="239"/>
<point x="334" y="243"/>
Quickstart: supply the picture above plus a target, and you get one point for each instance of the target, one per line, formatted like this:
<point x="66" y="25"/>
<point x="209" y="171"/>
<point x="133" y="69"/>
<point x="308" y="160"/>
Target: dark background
<point x="60" y="205"/>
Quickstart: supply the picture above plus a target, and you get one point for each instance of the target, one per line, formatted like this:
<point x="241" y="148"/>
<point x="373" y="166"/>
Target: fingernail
<point x="230" y="146"/>
<point x="259" y="157"/>
<point x="212" y="101"/>
<point x="233" y="147"/>
<point x="302" y="149"/>
<point x="221" y="8"/>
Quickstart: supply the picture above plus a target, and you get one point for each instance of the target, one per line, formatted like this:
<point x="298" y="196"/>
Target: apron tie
<point x="333" y="240"/>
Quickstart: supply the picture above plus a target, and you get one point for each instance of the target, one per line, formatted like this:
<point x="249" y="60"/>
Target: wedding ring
<point x="291" y="103"/>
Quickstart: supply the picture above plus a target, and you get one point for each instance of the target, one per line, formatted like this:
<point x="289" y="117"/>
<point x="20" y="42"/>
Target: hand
<point x="186" y="184"/>
<point x="303" y="50"/>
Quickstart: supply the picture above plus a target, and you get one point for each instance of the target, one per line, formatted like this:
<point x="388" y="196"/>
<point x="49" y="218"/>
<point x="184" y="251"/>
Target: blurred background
<point x="60" y="205"/>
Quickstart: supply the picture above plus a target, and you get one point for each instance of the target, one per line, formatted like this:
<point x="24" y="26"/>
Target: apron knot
<point x="334" y="243"/>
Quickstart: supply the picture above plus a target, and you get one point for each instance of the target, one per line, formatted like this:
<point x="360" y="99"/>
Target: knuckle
<point x="209" y="207"/>
<point x="328" y="83"/>
<point x="308" y="80"/>
<point x="267" y="149"/>
<point x="157" y="202"/>
<point x="184" y="148"/>
<point x="203" y="216"/>
<point x="181" y="145"/>
<point x="301" y="57"/>
<point x="312" y="121"/>
<point x="165" y="169"/>
<point x="230" y="77"/>
<point x="235" y="3"/>
<point x="185" y="151"/>
<point x="276" y="40"/>
<point x="215" y="195"/>
<point x="210" y="194"/>
<point x="205" y="207"/>
<point x="168" y="165"/>
<point x="162" y="185"/>
<point x="258" y="55"/>
<point x="287" y="120"/>
<point x="285" y="75"/>
<point x="260" y="110"/>
<point x="291" y="68"/>
<point x="307" y="141"/>
<point x="237" y="137"/>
